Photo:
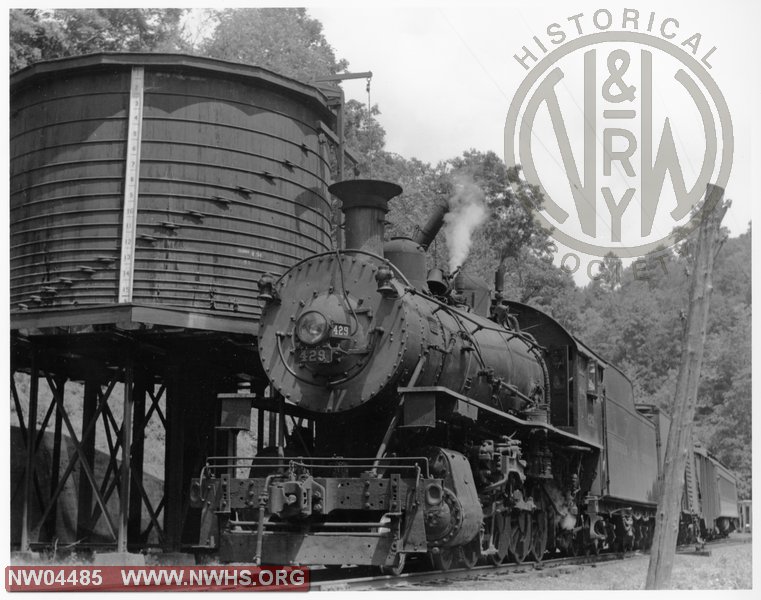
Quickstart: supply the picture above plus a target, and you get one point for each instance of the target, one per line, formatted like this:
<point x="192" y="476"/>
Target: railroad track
<point x="414" y="578"/>
<point x="324" y="580"/>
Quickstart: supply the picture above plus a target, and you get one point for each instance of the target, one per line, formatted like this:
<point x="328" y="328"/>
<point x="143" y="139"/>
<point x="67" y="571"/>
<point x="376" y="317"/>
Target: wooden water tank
<point x="164" y="180"/>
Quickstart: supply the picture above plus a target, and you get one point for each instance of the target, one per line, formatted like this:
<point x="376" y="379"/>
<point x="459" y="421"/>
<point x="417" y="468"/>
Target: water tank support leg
<point x="84" y="506"/>
<point x="56" y="466"/>
<point x="135" y="522"/>
<point x="30" y="452"/>
<point x="124" y="485"/>
<point x="173" y="461"/>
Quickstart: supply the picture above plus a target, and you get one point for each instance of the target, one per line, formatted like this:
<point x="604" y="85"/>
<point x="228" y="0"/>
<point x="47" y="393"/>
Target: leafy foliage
<point x="46" y="34"/>
<point x="285" y="40"/>
<point x="365" y="137"/>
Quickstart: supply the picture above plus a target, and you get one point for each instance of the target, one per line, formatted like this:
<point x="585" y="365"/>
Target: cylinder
<point x="365" y="204"/>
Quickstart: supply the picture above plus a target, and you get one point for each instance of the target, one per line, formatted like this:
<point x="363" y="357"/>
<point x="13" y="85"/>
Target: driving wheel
<point x="520" y="535"/>
<point x="443" y="559"/>
<point x="500" y="537"/>
<point x="468" y="555"/>
<point x="538" y="528"/>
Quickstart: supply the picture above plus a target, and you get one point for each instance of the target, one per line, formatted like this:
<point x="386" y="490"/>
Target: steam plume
<point x="466" y="213"/>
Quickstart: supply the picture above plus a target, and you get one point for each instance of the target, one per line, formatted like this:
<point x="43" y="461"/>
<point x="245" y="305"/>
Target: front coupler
<point x="311" y="512"/>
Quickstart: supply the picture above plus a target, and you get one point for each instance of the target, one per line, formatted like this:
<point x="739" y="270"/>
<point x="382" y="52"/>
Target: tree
<point x="608" y="276"/>
<point x="285" y="40"/>
<point x="366" y="138"/>
<point x="46" y="34"/>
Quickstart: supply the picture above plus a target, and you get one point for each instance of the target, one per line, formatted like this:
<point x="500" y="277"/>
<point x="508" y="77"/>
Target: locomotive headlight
<point x="312" y="328"/>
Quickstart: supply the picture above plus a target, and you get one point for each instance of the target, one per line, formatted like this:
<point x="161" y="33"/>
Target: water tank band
<point x="131" y="184"/>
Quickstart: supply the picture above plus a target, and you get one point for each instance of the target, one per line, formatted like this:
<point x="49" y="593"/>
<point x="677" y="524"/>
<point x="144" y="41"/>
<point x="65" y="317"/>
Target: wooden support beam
<point x="154" y="522"/>
<point x="86" y="468"/>
<point x="152" y="514"/>
<point x="38" y="441"/>
<point x="155" y="398"/>
<point x="30" y="453"/>
<point x="17" y="404"/>
<point x="43" y="426"/>
<point x="138" y="447"/>
<point x="113" y="447"/>
<point x="82" y="526"/>
<point x="126" y="439"/>
<point x="173" y="460"/>
<point x="679" y="444"/>
<point x="56" y="466"/>
<point x="84" y="503"/>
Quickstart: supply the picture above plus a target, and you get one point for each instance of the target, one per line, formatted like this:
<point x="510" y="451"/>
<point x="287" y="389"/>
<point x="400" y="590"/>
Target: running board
<point x="424" y="405"/>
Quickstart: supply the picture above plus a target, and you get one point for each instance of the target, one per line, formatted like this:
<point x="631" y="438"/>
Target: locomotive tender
<point x="447" y="421"/>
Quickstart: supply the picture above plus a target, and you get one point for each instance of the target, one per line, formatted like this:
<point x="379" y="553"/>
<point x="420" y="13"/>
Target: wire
<point x="533" y="133"/>
<point x="345" y="295"/>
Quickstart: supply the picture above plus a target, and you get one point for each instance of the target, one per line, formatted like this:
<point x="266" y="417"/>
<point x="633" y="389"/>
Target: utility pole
<point x="679" y="444"/>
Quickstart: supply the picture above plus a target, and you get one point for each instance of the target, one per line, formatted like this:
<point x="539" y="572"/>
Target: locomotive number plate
<point x="340" y="330"/>
<point x="315" y="355"/>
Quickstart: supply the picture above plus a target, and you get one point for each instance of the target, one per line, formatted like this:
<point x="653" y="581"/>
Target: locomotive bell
<point x="437" y="282"/>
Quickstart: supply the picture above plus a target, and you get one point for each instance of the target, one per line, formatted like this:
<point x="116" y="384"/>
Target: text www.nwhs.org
<point x="22" y="579"/>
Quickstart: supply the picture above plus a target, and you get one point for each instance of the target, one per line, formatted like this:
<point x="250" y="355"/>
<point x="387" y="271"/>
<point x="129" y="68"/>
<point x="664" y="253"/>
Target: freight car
<point x="441" y="420"/>
<point x="714" y="496"/>
<point x="709" y="498"/>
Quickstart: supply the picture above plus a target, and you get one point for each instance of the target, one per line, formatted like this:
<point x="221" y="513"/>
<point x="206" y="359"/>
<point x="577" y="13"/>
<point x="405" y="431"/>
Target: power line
<point x="496" y="84"/>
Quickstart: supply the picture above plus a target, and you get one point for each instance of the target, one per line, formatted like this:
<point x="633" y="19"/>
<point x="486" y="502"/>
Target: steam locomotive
<point x="444" y="421"/>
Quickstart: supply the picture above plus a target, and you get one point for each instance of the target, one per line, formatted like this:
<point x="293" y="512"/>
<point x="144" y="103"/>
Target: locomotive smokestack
<point x="364" y="204"/>
<point x="425" y="235"/>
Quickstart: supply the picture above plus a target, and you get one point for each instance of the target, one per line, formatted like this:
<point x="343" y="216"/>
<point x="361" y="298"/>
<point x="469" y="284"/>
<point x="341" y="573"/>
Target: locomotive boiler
<point x="343" y="331"/>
